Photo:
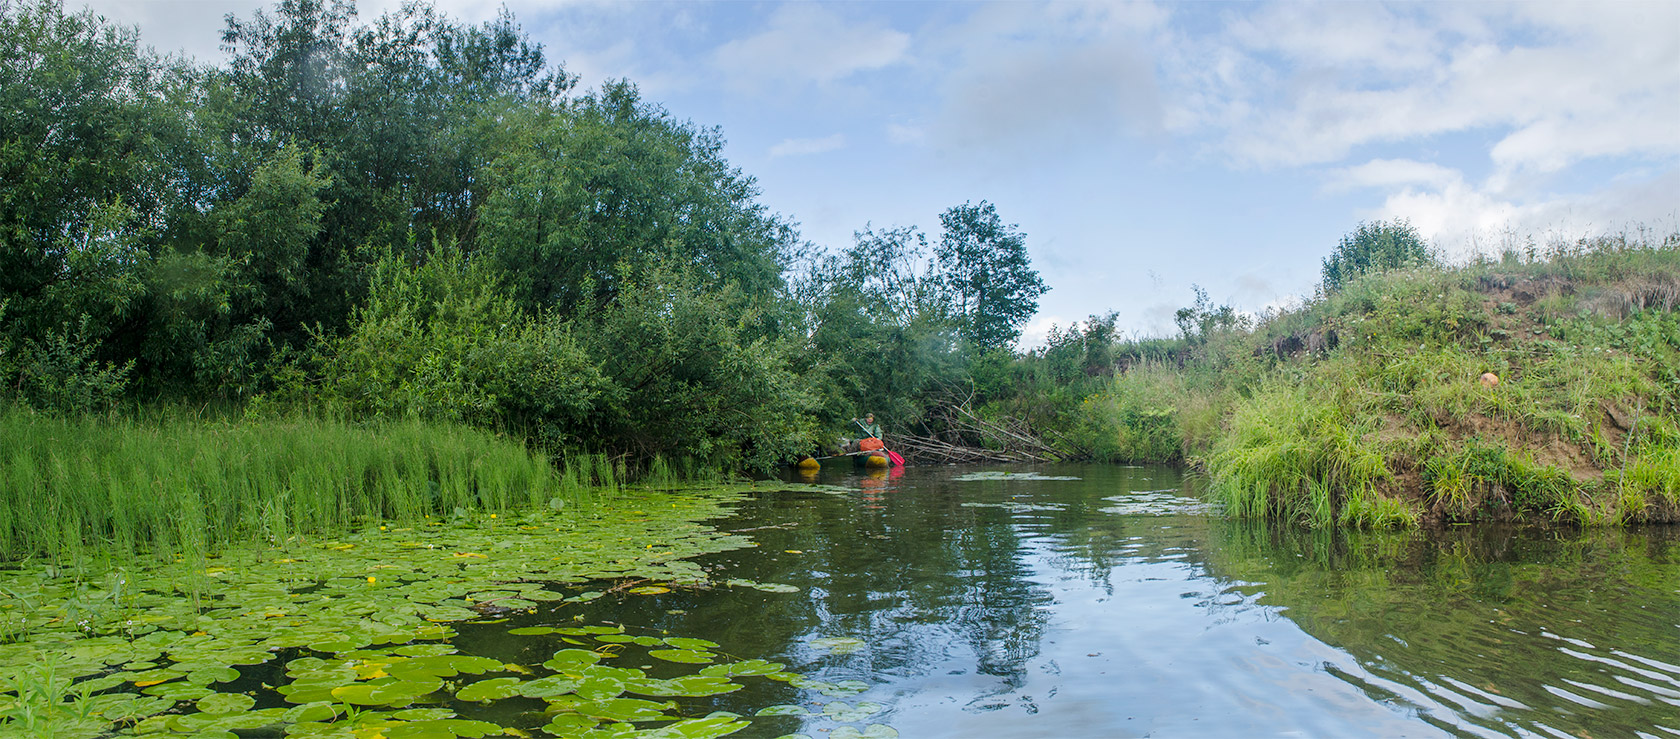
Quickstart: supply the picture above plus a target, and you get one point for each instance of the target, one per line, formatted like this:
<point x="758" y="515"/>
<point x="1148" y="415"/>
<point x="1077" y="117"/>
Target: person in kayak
<point x="871" y="430"/>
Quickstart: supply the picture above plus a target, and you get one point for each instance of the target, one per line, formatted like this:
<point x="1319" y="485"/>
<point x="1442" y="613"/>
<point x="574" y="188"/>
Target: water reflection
<point x="1114" y="605"/>
<point x="1487" y="630"/>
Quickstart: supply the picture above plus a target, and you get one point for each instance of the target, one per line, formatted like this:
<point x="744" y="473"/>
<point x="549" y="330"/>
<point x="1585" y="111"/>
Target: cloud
<point x="902" y="134"/>
<point x="808" y="43"/>
<point x="1043" y="95"/>
<point x="1297" y="84"/>
<point x="1037" y="330"/>
<point x="1392" y="172"/>
<point x="801" y="147"/>
<point x="1463" y="219"/>
<point x="194" y="29"/>
<point x="1024" y="79"/>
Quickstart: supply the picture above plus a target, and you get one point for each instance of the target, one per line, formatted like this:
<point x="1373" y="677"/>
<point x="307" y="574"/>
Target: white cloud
<point x="1462" y="218"/>
<point x="801" y="147"/>
<point x="808" y="43"/>
<point x="177" y="26"/>
<point x="1392" y="172"/>
<point x="1299" y="84"/>
<point x="1037" y="331"/>
<point x="902" y="134"/>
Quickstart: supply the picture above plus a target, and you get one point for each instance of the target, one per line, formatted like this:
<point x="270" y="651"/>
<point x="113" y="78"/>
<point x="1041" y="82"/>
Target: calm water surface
<point x="1114" y="605"/>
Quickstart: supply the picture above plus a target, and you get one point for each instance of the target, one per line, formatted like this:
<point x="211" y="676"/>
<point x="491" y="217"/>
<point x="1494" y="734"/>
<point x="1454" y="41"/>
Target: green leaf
<point x="226" y="703"/>
<point x="685" y="656"/>
<point x="626" y="709"/>
<point x="570" y="724"/>
<point x="710" y="727"/>
<point x="744" y="667"/>
<point x="448" y="665"/>
<point x="838" y="644"/>
<point x="840" y="711"/>
<point x="572" y="659"/>
<point x="600" y="688"/>
<point x="688" y="687"/>
<point x="495" y="688"/>
<point x="549" y="687"/>
<point x="693" y="644"/>
<point x="447" y="728"/>
<point x="783" y="710"/>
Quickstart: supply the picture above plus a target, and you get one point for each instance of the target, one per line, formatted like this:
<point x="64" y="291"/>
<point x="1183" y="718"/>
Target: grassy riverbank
<point x="1367" y="406"/>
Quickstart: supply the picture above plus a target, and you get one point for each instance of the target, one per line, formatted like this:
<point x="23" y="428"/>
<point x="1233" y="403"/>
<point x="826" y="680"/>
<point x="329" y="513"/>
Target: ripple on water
<point x="1166" y="502"/>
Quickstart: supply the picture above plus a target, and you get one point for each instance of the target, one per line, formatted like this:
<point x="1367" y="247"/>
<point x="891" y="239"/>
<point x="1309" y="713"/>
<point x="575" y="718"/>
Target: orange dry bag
<point x="870" y="444"/>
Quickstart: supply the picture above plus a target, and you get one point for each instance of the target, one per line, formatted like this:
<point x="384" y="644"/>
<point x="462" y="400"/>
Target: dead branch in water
<point x="963" y="436"/>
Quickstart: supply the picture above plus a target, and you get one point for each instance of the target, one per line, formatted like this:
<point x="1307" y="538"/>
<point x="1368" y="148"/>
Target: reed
<point x="72" y="487"/>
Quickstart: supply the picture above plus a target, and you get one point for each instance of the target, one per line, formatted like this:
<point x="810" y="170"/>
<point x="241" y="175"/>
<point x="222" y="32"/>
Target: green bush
<point x="440" y="341"/>
<point x="1375" y="247"/>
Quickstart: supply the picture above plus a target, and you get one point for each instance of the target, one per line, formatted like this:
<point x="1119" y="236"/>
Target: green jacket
<point x="872" y="429"/>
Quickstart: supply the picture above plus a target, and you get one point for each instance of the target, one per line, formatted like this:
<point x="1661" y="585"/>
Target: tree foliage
<point x="1375" y="247"/>
<point x="415" y="217"/>
<point x="991" y="288"/>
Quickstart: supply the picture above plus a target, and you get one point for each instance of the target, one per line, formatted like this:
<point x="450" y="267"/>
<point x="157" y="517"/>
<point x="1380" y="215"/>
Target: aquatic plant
<point x="75" y="487"/>
<point x="362" y="624"/>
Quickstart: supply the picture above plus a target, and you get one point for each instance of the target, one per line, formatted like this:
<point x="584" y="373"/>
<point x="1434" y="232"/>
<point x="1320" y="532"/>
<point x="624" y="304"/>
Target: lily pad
<point x="995" y="475"/>
<point x="840" y="711"/>
<point x="872" y="731"/>
<point x="768" y="587"/>
<point x="683" y="642"/>
<point x="688" y="687"/>
<point x="600" y="688"/>
<point x="744" y="667"/>
<point x="570" y="724"/>
<point x="572" y="659"/>
<point x="225" y="703"/>
<point x="495" y="688"/>
<point x="626" y="709"/>
<point x="710" y="727"/>
<point x="549" y="687"/>
<point x="388" y="691"/>
<point x="838" y="644"/>
<point x="447" y="665"/>
<point x="685" y="656"/>
<point x="447" y="728"/>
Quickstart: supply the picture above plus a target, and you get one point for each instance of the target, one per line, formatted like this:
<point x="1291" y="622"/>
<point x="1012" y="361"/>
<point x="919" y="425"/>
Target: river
<point x="1108" y="601"/>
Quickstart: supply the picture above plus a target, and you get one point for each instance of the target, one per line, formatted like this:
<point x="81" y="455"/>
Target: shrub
<point x="1375" y="247"/>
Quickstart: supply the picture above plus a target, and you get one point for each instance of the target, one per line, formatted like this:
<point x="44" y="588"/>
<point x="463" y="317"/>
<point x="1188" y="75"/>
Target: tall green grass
<point x="1292" y="453"/>
<point x="69" y="487"/>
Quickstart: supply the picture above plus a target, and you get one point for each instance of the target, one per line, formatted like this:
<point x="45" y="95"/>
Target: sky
<point x="1143" y="148"/>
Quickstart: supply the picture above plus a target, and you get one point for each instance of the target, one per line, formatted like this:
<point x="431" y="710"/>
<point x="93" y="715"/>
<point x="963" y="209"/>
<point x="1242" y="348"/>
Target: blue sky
<point x="1143" y="147"/>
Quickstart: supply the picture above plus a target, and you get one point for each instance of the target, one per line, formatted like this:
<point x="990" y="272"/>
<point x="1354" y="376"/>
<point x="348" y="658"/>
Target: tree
<point x="1375" y="247"/>
<point x="888" y="271"/>
<point x="990" y="286"/>
<point x="589" y="199"/>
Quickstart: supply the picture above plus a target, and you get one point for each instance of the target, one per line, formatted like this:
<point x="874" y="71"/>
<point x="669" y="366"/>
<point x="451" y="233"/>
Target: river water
<point x="1113" y="603"/>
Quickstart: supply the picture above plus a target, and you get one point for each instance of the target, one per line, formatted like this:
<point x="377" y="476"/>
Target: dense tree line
<point x="417" y="217"/>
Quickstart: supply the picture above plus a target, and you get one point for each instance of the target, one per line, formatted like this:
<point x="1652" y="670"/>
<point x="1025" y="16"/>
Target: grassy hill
<point x="1534" y="386"/>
